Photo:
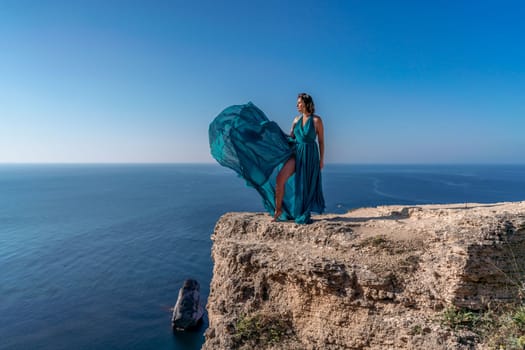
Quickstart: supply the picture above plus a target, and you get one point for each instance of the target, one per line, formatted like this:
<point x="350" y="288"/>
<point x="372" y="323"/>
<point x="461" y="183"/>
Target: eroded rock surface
<point x="374" y="278"/>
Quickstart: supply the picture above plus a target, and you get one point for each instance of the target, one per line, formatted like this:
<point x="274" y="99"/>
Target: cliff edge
<point x="374" y="278"/>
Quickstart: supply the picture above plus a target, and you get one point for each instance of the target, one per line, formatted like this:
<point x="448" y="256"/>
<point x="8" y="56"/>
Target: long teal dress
<point x="243" y="139"/>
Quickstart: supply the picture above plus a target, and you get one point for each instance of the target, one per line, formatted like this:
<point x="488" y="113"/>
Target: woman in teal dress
<point x="285" y="170"/>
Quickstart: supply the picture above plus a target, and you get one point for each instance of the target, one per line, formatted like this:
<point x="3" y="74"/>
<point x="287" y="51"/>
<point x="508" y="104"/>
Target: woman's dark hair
<point x="308" y="102"/>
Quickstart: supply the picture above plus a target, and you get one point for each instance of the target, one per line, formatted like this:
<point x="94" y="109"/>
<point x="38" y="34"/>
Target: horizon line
<point x="215" y="163"/>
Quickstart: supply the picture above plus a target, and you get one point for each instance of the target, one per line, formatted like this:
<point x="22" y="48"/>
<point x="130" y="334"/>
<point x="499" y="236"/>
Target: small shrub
<point x="261" y="329"/>
<point x="455" y="318"/>
<point x="519" y="318"/>
<point x="416" y="330"/>
<point x="501" y="328"/>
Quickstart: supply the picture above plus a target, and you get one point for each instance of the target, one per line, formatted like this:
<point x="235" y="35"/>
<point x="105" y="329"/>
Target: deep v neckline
<point x="303" y="123"/>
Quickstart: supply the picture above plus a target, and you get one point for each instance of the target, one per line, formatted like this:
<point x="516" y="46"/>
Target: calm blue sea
<point x="92" y="256"/>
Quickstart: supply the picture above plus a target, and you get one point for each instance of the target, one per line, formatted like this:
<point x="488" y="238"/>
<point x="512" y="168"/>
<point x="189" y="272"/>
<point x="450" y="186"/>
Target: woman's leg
<point x="286" y="171"/>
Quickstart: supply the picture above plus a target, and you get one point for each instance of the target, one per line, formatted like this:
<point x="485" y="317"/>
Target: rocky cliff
<point x="374" y="278"/>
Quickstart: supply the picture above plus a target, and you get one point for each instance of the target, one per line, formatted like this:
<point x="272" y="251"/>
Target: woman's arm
<point x="319" y="128"/>
<point x="296" y="119"/>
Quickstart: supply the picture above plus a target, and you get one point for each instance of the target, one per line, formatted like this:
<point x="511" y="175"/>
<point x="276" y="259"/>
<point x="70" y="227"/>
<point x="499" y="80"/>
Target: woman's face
<point x="300" y="105"/>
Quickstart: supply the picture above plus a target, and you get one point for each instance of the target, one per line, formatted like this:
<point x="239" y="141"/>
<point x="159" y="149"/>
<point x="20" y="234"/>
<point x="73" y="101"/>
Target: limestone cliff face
<point x="374" y="278"/>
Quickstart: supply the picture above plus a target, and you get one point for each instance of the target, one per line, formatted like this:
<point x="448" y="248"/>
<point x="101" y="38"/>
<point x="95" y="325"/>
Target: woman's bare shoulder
<point x="317" y="118"/>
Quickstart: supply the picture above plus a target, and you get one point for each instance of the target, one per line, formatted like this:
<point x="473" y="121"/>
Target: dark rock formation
<point x="188" y="311"/>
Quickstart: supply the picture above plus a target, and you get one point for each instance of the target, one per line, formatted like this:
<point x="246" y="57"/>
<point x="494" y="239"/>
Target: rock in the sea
<point x="188" y="311"/>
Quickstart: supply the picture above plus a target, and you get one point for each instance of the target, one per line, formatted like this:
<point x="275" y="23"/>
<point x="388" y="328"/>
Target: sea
<point x="92" y="256"/>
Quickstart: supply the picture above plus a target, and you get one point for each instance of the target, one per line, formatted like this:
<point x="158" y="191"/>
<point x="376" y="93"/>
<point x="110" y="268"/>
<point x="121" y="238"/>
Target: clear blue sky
<point x="139" y="81"/>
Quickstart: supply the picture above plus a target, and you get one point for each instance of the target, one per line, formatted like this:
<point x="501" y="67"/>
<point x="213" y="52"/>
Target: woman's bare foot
<point x="277" y="214"/>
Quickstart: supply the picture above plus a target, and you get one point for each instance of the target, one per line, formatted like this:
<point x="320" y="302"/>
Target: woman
<point x="307" y="163"/>
<point x="286" y="171"/>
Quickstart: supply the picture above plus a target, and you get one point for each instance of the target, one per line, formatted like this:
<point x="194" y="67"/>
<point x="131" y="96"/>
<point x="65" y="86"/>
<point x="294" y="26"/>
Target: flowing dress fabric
<point x="243" y="139"/>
